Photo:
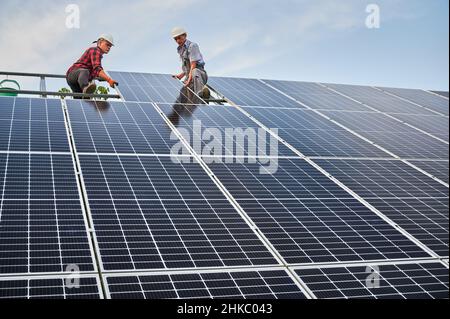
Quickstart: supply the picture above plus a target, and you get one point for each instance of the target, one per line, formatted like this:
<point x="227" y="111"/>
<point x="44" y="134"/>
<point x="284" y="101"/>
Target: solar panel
<point x="146" y="87"/>
<point x="42" y="226"/>
<point x="438" y="169"/>
<point x="399" y="281"/>
<point x="444" y="94"/>
<point x="274" y="284"/>
<point x="151" y="213"/>
<point x="313" y="135"/>
<point x="250" y="92"/>
<point x="49" y="288"/>
<point x="412" y="200"/>
<point x="119" y="127"/>
<point x="35" y="125"/>
<point x="436" y="125"/>
<point x="392" y="135"/>
<point x="423" y="98"/>
<point x="315" y="96"/>
<point x="308" y="218"/>
<point x="379" y="100"/>
<point x="162" y="226"/>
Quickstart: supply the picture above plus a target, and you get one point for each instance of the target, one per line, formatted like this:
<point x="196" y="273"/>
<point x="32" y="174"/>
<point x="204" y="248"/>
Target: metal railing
<point x="43" y="88"/>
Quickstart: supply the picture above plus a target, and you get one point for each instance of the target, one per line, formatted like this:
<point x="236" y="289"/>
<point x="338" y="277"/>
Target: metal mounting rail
<point x="37" y="75"/>
<point x="46" y="93"/>
<point x="43" y="91"/>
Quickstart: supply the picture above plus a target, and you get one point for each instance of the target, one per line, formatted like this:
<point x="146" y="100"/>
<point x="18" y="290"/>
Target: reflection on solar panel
<point x="426" y="99"/>
<point x="312" y="134"/>
<point x="211" y="119"/>
<point x="49" y="288"/>
<point x="401" y="281"/>
<point x="35" y="125"/>
<point x="308" y="218"/>
<point x="95" y="186"/>
<point x="409" y="198"/>
<point x="250" y="92"/>
<point x="117" y="127"/>
<point x="144" y="87"/>
<point x="275" y="284"/>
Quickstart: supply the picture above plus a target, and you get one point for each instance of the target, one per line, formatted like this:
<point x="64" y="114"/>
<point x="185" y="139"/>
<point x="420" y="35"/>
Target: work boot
<point x="206" y="93"/>
<point x="90" y="88"/>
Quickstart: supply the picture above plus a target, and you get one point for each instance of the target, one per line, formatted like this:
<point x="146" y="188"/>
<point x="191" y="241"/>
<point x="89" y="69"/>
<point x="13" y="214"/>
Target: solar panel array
<point x="130" y="199"/>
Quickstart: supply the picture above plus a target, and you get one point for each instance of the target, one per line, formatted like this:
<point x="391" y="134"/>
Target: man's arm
<point x="189" y="79"/>
<point x="105" y="77"/>
<point x="179" y="76"/>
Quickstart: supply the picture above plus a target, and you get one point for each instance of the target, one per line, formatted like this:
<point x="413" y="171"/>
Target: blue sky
<point x="305" y="40"/>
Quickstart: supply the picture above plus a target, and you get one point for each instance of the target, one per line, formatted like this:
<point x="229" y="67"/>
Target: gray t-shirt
<point x="190" y="52"/>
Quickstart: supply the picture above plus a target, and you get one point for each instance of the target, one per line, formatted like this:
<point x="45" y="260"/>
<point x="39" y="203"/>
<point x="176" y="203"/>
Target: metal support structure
<point x="45" y="94"/>
<point x="43" y="87"/>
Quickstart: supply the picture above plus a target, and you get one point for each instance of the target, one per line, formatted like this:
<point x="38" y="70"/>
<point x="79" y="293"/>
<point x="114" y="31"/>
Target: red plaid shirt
<point x="91" y="60"/>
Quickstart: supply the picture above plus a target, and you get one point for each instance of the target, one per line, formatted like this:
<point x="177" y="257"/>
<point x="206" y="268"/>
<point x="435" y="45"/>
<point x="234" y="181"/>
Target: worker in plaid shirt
<point x="81" y="75"/>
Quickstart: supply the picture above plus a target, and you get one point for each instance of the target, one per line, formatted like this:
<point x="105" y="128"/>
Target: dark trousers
<point x="78" y="80"/>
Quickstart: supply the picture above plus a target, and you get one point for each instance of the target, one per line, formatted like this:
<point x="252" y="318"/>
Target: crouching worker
<point x="82" y="73"/>
<point x="193" y="64"/>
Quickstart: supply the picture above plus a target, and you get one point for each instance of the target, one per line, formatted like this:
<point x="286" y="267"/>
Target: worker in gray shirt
<point x="193" y="64"/>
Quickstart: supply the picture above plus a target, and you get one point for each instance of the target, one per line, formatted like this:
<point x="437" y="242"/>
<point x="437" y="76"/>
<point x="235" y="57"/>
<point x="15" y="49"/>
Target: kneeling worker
<point x="193" y="64"/>
<point x="81" y="74"/>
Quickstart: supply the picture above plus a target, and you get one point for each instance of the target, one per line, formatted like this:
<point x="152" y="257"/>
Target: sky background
<point x="304" y="40"/>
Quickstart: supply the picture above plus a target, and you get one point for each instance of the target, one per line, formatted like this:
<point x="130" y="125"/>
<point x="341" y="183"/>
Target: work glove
<point x="112" y="83"/>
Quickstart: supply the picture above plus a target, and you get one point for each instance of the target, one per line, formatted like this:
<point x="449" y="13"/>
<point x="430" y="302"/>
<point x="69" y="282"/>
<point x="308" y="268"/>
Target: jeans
<point x="199" y="80"/>
<point x="78" y="80"/>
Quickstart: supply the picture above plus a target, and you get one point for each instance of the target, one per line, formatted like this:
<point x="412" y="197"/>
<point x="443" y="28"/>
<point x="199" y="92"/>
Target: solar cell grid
<point x="202" y="120"/>
<point x="151" y="213"/>
<point x="316" y="96"/>
<point x="426" y="99"/>
<point x="373" y="179"/>
<point x="275" y="284"/>
<point x="408" y="281"/>
<point x="146" y="87"/>
<point x="391" y="135"/>
<point x="308" y="218"/>
<point x="379" y="100"/>
<point x="32" y="125"/>
<point x="430" y="124"/>
<point x="250" y="92"/>
<point x="438" y="169"/>
<point x="48" y="288"/>
<point x="314" y="135"/>
<point x="409" y="198"/>
<point x="119" y="128"/>
<point x="42" y="227"/>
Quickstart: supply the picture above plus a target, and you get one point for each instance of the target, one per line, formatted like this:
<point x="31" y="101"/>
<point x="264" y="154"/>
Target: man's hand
<point x="188" y="81"/>
<point x="178" y="76"/>
<point x="112" y="83"/>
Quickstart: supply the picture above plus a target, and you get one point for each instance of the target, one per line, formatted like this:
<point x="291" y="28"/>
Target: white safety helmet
<point x="107" y="37"/>
<point x="176" y="32"/>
